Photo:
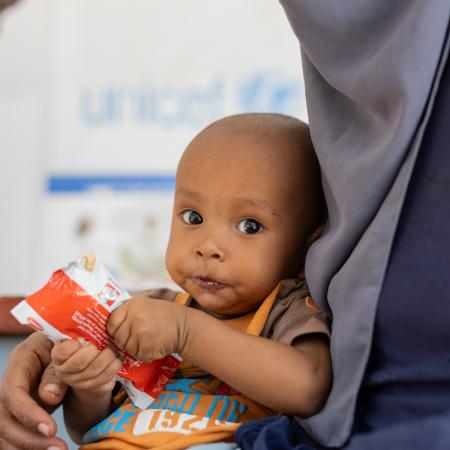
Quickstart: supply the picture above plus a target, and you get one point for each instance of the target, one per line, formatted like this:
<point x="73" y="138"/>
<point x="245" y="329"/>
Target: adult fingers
<point x="25" y="365"/>
<point x="27" y="415"/>
<point x="7" y="446"/>
<point x="51" y="389"/>
<point x="16" y="435"/>
<point x="23" y="423"/>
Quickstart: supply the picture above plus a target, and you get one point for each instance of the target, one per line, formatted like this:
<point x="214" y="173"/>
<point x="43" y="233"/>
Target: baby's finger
<point x="103" y="382"/>
<point x="101" y="370"/>
<point x="116" y="319"/>
<point x="132" y="345"/>
<point x="79" y="360"/>
<point x="62" y="351"/>
<point x="104" y="366"/>
<point x="122" y="335"/>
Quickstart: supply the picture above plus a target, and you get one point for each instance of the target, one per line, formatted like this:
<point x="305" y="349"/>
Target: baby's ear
<point x="309" y="241"/>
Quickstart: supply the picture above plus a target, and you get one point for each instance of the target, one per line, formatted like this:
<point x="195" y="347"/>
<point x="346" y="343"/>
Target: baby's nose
<point x="210" y="252"/>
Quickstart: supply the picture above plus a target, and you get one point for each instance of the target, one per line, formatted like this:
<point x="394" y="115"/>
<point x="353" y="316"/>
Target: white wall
<point x="24" y="70"/>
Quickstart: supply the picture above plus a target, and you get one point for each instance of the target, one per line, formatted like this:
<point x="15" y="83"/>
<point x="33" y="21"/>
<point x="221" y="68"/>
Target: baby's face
<point x="236" y="230"/>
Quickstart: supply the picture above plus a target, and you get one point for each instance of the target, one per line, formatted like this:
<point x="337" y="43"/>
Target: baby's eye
<point x="191" y="217"/>
<point x="249" y="226"/>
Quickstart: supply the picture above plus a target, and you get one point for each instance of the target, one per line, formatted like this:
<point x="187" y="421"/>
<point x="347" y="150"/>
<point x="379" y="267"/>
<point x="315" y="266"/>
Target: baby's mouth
<point x="207" y="283"/>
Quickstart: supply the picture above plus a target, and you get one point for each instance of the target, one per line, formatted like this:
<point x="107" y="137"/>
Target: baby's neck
<point x="193" y="304"/>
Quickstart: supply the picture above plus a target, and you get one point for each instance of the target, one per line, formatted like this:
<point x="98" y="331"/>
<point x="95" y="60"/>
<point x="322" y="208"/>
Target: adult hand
<point x="25" y="422"/>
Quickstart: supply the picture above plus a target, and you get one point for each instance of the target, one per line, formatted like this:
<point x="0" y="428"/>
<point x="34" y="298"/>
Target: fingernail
<point x="52" y="388"/>
<point x="52" y="447"/>
<point x="44" y="429"/>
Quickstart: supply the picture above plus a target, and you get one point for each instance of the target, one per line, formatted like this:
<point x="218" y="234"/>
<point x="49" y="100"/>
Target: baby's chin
<point x="225" y="302"/>
<point x="213" y="303"/>
<point x="222" y="307"/>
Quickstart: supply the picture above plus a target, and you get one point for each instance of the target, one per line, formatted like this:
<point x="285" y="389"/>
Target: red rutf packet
<point x="76" y="303"/>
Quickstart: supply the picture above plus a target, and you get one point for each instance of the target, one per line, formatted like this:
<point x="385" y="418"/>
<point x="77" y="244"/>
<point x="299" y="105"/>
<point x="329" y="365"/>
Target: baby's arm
<point x="90" y="374"/>
<point x="284" y="378"/>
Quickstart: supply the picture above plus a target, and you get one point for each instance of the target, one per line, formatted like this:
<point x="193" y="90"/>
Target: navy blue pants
<point x="404" y="401"/>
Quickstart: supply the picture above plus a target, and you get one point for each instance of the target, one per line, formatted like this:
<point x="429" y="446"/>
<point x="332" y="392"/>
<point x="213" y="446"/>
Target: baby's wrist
<point x="182" y="324"/>
<point x="190" y="328"/>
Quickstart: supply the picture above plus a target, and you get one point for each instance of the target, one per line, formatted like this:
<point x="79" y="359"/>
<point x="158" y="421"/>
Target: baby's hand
<point x="84" y="367"/>
<point x="148" y="329"/>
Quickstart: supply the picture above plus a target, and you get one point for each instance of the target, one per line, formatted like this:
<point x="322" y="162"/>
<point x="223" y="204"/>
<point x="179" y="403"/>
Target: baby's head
<point x="248" y="196"/>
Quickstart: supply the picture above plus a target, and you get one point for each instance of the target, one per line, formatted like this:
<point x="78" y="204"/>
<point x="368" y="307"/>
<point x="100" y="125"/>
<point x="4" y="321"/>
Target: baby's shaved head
<point x="244" y="144"/>
<point x="247" y="197"/>
<point x="265" y="125"/>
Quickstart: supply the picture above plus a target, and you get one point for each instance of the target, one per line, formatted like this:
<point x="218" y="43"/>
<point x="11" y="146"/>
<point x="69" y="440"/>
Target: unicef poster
<point x="131" y="83"/>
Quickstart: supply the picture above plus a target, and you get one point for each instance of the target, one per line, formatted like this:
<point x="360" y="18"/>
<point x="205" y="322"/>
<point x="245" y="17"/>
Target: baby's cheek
<point x="263" y="276"/>
<point x="174" y="265"/>
<point x="170" y="263"/>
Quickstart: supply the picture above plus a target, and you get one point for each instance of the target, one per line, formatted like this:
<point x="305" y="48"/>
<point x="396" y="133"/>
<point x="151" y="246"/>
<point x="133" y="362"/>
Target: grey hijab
<point x="371" y="70"/>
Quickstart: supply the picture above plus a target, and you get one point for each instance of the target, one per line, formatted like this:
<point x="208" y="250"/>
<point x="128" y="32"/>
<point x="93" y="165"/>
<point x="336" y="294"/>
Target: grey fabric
<point x="371" y="69"/>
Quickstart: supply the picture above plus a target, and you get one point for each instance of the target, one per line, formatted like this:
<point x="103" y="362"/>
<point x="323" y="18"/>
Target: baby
<point x="247" y="201"/>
